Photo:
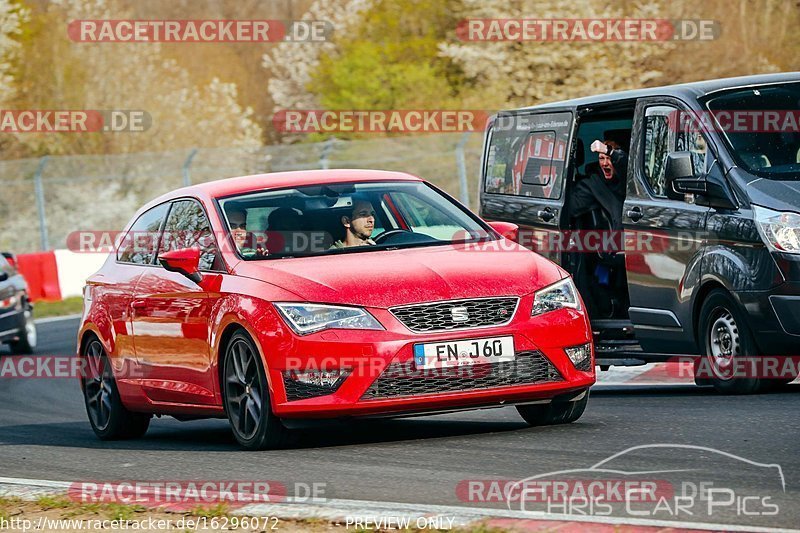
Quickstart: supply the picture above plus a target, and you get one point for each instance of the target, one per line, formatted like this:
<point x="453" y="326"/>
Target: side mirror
<point x="11" y="259"/>
<point x="509" y="230"/>
<point x="184" y="261"/>
<point x="680" y="177"/>
<point x="3" y="276"/>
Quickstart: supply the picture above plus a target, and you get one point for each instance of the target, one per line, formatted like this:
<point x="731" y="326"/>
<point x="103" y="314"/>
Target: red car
<point x="325" y="294"/>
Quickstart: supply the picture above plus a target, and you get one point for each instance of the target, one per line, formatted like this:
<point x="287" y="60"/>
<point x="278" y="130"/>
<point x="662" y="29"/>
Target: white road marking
<point x="53" y="318"/>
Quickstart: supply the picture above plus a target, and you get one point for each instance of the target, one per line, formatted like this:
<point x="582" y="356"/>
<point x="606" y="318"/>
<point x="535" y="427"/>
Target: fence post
<point x="461" y="161"/>
<point x="185" y="169"/>
<point x="324" y="163"/>
<point x="39" y="192"/>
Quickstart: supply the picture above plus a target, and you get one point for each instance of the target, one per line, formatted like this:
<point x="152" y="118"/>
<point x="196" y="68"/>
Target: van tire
<point x="725" y="338"/>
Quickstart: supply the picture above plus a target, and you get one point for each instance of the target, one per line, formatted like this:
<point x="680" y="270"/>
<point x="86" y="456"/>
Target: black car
<point x="17" y="328"/>
<point x="709" y="260"/>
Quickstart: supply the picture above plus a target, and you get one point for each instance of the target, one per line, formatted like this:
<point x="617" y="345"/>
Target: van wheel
<point x="554" y="412"/>
<point x="727" y="342"/>
<point x="110" y="419"/>
<point x="700" y="379"/>
<point x="246" y="397"/>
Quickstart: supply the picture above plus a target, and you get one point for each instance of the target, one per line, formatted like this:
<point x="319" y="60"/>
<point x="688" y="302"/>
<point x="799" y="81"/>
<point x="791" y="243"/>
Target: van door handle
<point x="546" y="214"/>
<point x="634" y="214"/>
<point x="138" y="304"/>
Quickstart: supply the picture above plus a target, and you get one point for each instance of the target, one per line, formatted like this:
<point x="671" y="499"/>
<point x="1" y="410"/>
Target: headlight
<point x="309" y="318"/>
<point x="556" y="296"/>
<point x="780" y="230"/>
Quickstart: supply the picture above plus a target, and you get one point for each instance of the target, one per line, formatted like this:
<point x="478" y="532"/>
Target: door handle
<point x="546" y="214"/>
<point x="634" y="214"/>
<point x="138" y="304"/>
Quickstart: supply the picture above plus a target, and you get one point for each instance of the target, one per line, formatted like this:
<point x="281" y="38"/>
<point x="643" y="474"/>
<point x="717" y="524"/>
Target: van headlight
<point x="780" y="230"/>
<point x="310" y="318"/>
<point x="556" y="296"/>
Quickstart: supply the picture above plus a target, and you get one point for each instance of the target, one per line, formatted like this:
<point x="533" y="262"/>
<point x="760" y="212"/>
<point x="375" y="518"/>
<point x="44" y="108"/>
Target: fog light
<point x="577" y="354"/>
<point x="320" y="378"/>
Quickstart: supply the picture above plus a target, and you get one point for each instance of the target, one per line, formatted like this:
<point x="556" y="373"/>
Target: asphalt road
<point x="44" y="434"/>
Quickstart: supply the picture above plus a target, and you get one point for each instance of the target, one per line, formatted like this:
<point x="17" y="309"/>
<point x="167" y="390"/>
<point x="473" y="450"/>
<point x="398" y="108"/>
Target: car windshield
<point x="762" y="126"/>
<point x="346" y="217"/>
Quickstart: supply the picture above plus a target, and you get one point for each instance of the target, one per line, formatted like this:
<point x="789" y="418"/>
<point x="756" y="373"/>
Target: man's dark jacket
<point x="596" y="191"/>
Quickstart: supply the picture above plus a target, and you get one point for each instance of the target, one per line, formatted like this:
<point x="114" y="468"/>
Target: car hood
<point x="396" y="277"/>
<point x="777" y="195"/>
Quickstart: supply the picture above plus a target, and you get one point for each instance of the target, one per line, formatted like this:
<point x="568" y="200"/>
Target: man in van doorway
<point x="604" y="188"/>
<point x="602" y="281"/>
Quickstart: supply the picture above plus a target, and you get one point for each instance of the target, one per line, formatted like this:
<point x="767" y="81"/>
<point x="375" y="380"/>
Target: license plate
<point x="464" y="352"/>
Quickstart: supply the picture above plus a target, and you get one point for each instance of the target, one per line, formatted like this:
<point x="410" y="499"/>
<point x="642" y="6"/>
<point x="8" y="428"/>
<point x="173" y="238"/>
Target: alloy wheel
<point x="99" y="383"/>
<point x="243" y="389"/>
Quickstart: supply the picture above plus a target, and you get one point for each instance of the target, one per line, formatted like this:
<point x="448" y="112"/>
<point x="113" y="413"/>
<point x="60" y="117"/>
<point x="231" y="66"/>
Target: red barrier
<point x="41" y="273"/>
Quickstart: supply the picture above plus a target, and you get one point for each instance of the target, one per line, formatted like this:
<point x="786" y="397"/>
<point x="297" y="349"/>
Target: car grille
<point x="297" y="390"/>
<point x="404" y="379"/>
<point x="456" y="314"/>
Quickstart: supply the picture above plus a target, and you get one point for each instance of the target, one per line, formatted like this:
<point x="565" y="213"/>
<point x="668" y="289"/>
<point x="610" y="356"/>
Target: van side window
<point x="139" y="244"/>
<point x="188" y="227"/>
<point x="659" y="139"/>
<point x="694" y="143"/>
<point x="526" y="155"/>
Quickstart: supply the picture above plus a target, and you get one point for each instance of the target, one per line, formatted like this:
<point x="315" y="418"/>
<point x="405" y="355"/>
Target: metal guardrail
<point x="43" y="200"/>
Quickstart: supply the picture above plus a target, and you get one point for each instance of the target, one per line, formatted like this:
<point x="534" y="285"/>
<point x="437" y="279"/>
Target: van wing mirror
<point x="710" y="190"/>
<point x="184" y="261"/>
<point x="679" y="176"/>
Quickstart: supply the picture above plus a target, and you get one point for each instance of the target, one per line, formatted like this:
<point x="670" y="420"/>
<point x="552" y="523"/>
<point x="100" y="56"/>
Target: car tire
<point x="555" y="412"/>
<point x="109" y="418"/>
<point x="246" y="397"/>
<point x="726" y="338"/>
<point x="27" y="334"/>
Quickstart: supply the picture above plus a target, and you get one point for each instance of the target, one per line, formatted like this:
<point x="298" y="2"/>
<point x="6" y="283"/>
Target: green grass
<point x="219" y="510"/>
<point x="114" y="511"/>
<point x="53" y="502"/>
<point x="5" y="503"/>
<point x="121" y="512"/>
<point x="68" y="306"/>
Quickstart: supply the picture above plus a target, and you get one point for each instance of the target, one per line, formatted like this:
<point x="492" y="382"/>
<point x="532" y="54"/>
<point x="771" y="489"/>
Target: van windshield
<point x="346" y="217"/>
<point x="762" y="127"/>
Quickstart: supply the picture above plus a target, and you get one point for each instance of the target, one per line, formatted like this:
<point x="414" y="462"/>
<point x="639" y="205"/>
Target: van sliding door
<point x="522" y="179"/>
